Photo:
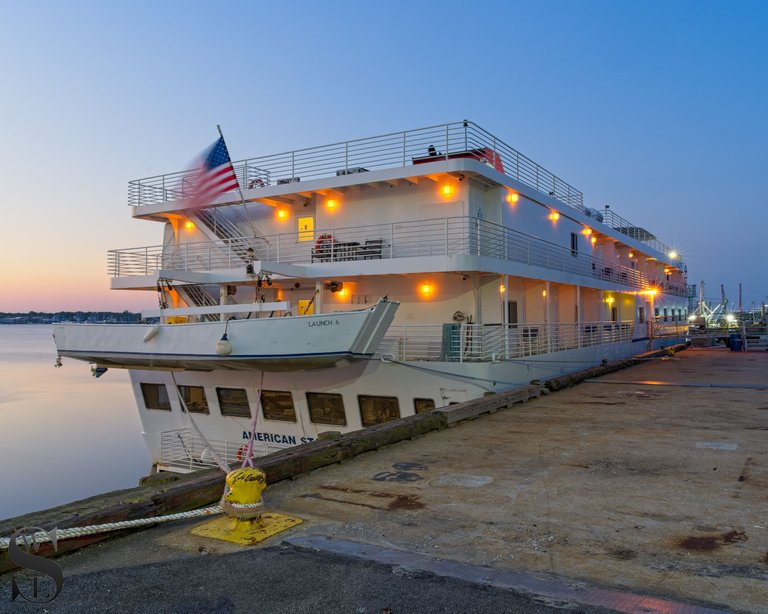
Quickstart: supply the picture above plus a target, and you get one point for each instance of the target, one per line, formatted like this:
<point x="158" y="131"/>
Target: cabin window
<point x="326" y="408"/>
<point x="156" y="396"/>
<point x="421" y="406"/>
<point x="512" y="312"/>
<point x="641" y="315"/>
<point x="375" y="410"/>
<point x="656" y="312"/>
<point x="278" y="405"/>
<point x="614" y="314"/>
<point x="574" y="244"/>
<point x="665" y="314"/>
<point x="233" y="402"/>
<point x="194" y="399"/>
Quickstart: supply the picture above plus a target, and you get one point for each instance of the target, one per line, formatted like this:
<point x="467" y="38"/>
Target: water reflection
<point x="64" y="435"/>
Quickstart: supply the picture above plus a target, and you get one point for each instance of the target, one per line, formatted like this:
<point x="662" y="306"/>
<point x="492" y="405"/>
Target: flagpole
<point x="240" y="189"/>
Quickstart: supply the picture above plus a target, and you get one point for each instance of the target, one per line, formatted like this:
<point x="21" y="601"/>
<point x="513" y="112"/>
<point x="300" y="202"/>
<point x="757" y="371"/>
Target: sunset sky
<point x="656" y="108"/>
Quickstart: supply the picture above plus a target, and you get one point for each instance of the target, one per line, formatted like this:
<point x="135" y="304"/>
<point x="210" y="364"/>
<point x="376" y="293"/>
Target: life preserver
<point x="241" y="452"/>
<point x="322" y="241"/>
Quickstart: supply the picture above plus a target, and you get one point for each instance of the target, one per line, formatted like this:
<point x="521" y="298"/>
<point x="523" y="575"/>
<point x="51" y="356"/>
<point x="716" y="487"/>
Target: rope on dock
<point x="59" y="534"/>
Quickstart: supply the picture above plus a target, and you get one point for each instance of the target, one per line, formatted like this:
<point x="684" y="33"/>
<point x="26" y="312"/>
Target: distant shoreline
<point x="38" y="317"/>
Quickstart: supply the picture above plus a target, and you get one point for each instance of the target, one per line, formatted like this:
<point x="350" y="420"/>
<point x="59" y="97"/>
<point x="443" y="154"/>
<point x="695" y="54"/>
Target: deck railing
<point x="181" y="450"/>
<point x="460" y="342"/>
<point x="439" y="237"/>
<point x="397" y="149"/>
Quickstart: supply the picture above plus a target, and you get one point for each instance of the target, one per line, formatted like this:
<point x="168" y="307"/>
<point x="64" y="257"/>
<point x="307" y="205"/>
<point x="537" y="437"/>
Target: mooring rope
<point x="42" y="536"/>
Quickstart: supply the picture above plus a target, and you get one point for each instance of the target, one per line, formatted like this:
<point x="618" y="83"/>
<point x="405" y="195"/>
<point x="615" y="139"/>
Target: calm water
<point x="64" y="435"/>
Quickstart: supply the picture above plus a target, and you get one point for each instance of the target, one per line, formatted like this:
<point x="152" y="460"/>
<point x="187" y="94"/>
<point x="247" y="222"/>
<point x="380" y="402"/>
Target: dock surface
<point x="650" y="483"/>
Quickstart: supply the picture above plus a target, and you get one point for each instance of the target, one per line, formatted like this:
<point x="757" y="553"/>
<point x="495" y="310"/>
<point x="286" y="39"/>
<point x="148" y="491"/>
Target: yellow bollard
<point x="246" y="523"/>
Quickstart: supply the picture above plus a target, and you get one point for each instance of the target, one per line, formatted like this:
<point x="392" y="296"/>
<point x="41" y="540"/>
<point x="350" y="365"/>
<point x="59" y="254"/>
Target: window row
<point x="324" y="407"/>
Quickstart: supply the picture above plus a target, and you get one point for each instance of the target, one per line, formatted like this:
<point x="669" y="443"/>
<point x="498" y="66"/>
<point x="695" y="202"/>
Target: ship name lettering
<point x="272" y="438"/>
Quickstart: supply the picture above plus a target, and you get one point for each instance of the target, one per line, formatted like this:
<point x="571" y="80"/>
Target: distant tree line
<point x="44" y="317"/>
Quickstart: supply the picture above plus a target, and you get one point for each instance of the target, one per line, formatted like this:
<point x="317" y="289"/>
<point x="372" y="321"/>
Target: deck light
<point x="513" y="197"/>
<point x="502" y="289"/>
<point x="631" y="254"/>
<point x="426" y="289"/>
<point x="189" y="225"/>
<point x="610" y="300"/>
<point x="343" y="293"/>
<point x="282" y="214"/>
<point x="447" y="190"/>
<point x="730" y="318"/>
<point x="554" y="216"/>
<point x="594" y="240"/>
<point x="331" y="203"/>
<point x="673" y="254"/>
<point x="544" y="293"/>
<point x="586" y="232"/>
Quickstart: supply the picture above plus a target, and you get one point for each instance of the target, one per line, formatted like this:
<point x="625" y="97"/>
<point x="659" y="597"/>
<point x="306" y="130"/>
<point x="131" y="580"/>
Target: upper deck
<point x="293" y="170"/>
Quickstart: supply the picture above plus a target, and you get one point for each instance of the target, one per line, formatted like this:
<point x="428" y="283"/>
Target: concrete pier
<point x="648" y="484"/>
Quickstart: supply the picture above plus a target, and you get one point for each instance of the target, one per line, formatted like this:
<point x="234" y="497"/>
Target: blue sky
<point x="658" y="108"/>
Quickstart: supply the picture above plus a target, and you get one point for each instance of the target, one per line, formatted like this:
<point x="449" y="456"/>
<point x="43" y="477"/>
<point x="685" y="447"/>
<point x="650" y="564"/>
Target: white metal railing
<point x="446" y="141"/>
<point x="438" y="237"/>
<point x="460" y="342"/>
<point x="615" y="221"/>
<point x="180" y="449"/>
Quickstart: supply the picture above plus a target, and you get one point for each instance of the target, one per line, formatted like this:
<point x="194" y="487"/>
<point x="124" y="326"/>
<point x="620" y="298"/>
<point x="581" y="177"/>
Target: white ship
<point x="352" y="284"/>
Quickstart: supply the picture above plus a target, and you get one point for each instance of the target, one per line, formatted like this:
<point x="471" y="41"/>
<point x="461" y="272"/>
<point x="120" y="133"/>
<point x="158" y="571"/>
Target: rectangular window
<point x="278" y="405"/>
<point x="665" y="314"/>
<point x="423" y="405"/>
<point x="156" y="396"/>
<point x="641" y="315"/>
<point x="306" y="228"/>
<point x="326" y="408"/>
<point x="512" y="312"/>
<point x="574" y="244"/>
<point x="233" y="402"/>
<point x="375" y="410"/>
<point x="194" y="399"/>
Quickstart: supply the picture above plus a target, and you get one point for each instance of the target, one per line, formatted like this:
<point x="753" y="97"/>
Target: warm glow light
<point x="513" y="197"/>
<point x="447" y="189"/>
<point x="502" y="289"/>
<point x="594" y="240"/>
<point x="610" y="300"/>
<point x="650" y="292"/>
<point x="544" y="293"/>
<point x="189" y="225"/>
<point x="331" y="203"/>
<point x="282" y="214"/>
<point x="343" y="293"/>
<point x="586" y="232"/>
<point x="554" y="216"/>
<point x="426" y="289"/>
<point x="631" y="254"/>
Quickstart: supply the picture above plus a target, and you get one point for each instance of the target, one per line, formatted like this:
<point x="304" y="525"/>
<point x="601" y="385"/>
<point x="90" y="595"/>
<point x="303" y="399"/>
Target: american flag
<point x="214" y="176"/>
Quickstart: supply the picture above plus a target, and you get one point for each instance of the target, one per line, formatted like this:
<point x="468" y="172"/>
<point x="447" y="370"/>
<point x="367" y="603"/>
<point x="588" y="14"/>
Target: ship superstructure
<point x="355" y="283"/>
